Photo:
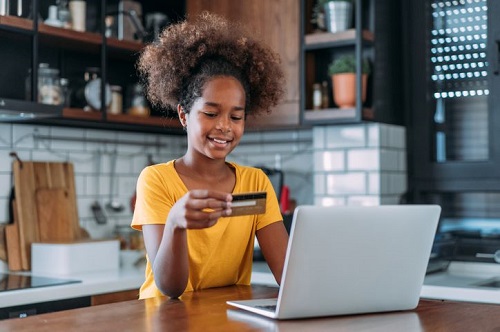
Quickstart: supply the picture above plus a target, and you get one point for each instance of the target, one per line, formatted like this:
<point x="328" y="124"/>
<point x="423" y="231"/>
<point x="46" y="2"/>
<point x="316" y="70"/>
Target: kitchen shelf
<point x="67" y="38"/>
<point x="94" y="119"/>
<point x="320" y="48"/>
<point x="17" y="24"/>
<point x="320" y="40"/>
<point x="337" y="114"/>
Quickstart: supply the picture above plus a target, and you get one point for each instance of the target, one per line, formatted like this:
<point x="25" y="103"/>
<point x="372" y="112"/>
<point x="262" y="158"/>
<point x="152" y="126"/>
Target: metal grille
<point x="459" y="75"/>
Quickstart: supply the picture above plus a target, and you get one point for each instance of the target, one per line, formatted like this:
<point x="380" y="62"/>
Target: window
<point x="459" y="83"/>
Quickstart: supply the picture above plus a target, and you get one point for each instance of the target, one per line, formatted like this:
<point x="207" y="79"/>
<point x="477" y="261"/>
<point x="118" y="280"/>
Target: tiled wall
<point x="290" y="151"/>
<point x="360" y="164"/>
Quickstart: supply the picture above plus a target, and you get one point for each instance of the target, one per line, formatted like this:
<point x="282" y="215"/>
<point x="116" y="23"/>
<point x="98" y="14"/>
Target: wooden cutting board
<point x="31" y="178"/>
<point x="3" y="243"/>
<point x="12" y="242"/>
<point x="54" y="215"/>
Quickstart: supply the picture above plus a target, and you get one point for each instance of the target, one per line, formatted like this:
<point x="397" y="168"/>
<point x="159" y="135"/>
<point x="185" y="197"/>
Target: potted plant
<point x="337" y="14"/>
<point x="343" y="73"/>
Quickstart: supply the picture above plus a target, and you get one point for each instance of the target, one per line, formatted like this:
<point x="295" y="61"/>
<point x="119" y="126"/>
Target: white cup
<point x="78" y="10"/>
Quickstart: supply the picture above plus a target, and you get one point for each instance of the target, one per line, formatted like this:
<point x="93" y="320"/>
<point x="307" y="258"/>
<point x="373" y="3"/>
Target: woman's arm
<point x="273" y="241"/>
<point x="166" y="245"/>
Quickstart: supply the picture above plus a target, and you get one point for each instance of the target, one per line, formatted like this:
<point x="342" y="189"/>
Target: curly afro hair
<point x="188" y="54"/>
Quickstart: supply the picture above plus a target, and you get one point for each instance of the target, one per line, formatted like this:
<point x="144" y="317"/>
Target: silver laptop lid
<point x="348" y="260"/>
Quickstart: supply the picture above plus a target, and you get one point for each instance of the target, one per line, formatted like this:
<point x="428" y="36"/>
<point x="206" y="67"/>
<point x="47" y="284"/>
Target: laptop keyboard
<point x="267" y="307"/>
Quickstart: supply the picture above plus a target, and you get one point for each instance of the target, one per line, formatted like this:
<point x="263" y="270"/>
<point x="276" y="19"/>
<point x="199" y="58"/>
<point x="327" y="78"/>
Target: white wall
<point x="289" y="150"/>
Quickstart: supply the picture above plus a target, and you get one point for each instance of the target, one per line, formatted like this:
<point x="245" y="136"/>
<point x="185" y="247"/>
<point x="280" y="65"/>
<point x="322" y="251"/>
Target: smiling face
<point x="216" y="121"/>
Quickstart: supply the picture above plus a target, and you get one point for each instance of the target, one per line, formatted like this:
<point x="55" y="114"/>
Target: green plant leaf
<point x="347" y="64"/>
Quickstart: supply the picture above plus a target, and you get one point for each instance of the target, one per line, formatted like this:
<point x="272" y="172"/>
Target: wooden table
<point x="207" y="311"/>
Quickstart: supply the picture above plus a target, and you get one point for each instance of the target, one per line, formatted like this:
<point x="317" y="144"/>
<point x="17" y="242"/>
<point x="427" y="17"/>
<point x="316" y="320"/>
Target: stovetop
<point x="12" y="281"/>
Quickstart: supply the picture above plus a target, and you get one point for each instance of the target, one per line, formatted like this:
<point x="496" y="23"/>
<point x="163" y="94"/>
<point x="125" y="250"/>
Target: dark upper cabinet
<point x="453" y="91"/>
<point x="452" y="101"/>
<point x="27" y="42"/>
<point x="374" y="35"/>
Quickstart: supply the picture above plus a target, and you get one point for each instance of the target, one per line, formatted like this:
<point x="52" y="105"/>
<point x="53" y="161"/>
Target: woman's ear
<point x="182" y="116"/>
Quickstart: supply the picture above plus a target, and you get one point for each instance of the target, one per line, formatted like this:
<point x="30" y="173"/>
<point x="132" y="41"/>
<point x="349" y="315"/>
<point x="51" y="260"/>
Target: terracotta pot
<point x="344" y="89"/>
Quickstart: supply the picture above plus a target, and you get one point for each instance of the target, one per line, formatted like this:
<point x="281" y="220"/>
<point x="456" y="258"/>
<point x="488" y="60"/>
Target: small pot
<point x="344" y="89"/>
<point x="338" y="16"/>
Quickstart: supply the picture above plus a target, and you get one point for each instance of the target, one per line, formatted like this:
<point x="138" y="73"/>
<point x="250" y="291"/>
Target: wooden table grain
<point x="207" y="311"/>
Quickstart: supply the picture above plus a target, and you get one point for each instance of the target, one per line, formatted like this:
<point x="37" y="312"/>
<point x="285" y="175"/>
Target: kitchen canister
<point x="116" y="106"/>
<point x="49" y="88"/>
<point x="78" y="11"/>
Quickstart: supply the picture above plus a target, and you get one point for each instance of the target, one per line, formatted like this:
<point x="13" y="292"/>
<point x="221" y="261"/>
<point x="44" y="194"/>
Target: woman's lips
<point x="222" y="142"/>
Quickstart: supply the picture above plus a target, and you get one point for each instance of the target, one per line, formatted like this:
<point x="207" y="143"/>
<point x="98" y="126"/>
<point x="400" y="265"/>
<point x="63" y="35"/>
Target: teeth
<point x="219" y="141"/>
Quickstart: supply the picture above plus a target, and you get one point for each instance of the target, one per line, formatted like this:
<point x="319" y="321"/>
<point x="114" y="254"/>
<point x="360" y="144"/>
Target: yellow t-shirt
<point x="220" y="255"/>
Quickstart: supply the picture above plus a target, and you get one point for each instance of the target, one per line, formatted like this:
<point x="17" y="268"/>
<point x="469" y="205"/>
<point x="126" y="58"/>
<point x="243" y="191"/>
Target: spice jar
<point x="116" y="106"/>
<point x="317" y="96"/>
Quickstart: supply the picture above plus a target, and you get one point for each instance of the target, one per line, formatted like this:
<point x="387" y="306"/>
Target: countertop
<point x="459" y="283"/>
<point x="206" y="310"/>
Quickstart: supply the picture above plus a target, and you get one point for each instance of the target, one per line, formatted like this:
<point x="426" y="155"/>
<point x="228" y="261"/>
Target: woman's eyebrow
<point x="217" y="105"/>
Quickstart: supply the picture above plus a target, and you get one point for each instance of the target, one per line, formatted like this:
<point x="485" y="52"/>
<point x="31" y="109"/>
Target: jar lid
<point x="116" y="88"/>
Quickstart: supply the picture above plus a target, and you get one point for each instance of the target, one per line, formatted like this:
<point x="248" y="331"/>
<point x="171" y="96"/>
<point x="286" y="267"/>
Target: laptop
<point x="352" y="260"/>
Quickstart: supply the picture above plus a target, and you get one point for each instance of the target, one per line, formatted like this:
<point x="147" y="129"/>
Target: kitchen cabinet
<point x="26" y="42"/>
<point x="452" y="102"/>
<point x="71" y="52"/>
<point x="278" y="24"/>
<point x="374" y="36"/>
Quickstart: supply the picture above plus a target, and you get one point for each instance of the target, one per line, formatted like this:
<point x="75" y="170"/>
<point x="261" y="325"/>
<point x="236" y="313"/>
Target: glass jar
<point x="138" y="103"/>
<point x="49" y="88"/>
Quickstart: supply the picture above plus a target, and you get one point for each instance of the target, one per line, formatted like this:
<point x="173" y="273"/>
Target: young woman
<point x="214" y="74"/>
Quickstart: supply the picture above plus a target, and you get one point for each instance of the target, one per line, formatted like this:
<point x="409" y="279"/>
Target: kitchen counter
<point x="465" y="281"/>
<point x="206" y="310"/>
<point x="459" y="283"/>
<point x="91" y="284"/>
<point x="100" y="283"/>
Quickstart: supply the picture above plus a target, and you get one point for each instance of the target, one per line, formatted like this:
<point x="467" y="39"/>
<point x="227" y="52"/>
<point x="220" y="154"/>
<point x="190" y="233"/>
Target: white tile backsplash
<point x="293" y="149"/>
<point x="326" y="165"/>
<point x="363" y="159"/>
<point x="348" y="136"/>
<point x="346" y="183"/>
<point x="334" y="160"/>
<point x="5" y="160"/>
<point x="5" y="134"/>
<point x="375" y="169"/>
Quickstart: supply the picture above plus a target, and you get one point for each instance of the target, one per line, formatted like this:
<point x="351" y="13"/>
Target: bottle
<point x="63" y="14"/>
<point x="65" y="92"/>
<point x="78" y="12"/>
<point x="116" y="106"/>
<point x="317" y="97"/>
<point x="52" y="17"/>
<point x="324" y="94"/>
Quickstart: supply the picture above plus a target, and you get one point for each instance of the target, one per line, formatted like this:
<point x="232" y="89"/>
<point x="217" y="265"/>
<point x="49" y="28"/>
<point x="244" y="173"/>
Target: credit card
<point x="248" y="203"/>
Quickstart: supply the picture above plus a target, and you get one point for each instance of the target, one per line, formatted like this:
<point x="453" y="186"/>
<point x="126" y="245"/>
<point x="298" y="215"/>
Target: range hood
<point x="12" y="110"/>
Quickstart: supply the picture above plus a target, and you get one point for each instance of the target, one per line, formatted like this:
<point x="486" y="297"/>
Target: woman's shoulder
<point x="246" y="169"/>
<point x="158" y="170"/>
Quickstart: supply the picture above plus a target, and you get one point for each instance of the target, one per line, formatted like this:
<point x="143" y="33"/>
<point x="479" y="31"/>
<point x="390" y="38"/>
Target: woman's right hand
<point x="199" y="208"/>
